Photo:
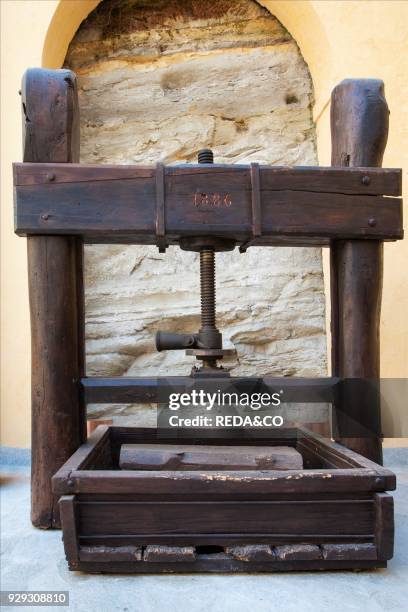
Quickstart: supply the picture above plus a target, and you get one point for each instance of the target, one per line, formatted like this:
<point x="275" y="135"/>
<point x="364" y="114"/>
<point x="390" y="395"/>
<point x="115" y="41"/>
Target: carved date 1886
<point x="212" y="200"/>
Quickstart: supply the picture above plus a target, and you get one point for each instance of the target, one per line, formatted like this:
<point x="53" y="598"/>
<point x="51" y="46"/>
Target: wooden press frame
<point x="351" y="208"/>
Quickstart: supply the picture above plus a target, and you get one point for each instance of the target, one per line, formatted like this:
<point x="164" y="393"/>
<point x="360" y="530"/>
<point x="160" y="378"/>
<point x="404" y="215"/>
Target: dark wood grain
<point x="89" y="202"/>
<point x="299" y="552"/>
<point x="181" y="178"/>
<point x="269" y="517"/>
<point x="226" y="564"/>
<point x="169" y="554"/>
<point x="88" y="455"/>
<point x="109" y="554"/>
<point x="359" y="124"/>
<point x="50" y="118"/>
<point x="69" y="523"/>
<point x="334" y="552"/>
<point x="216" y="521"/>
<point x="51" y="134"/>
<point x="190" y="457"/>
<point x="222" y="483"/>
<point x="252" y="552"/>
<point x="384" y="529"/>
<point x="224" y="539"/>
<point x="57" y="412"/>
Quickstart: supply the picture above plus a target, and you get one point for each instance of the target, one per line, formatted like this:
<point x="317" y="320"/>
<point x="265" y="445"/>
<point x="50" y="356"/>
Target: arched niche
<point x="299" y="17"/>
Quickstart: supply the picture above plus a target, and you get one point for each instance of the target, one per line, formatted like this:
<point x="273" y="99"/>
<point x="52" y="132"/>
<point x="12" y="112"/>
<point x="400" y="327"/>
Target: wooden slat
<point x="252" y="552"/>
<point x="384" y="525"/>
<point x="333" y="552"/>
<point x="107" y="554"/>
<point x="363" y="181"/>
<point x="224" y="564"/>
<point x="193" y="457"/>
<point x="225" y="483"/>
<point x="298" y="552"/>
<point x="124" y="210"/>
<point x="169" y="554"/>
<point x="327" y="447"/>
<point x="269" y="517"/>
<point x="223" y="539"/>
<point x="69" y="524"/>
<point x="82" y="457"/>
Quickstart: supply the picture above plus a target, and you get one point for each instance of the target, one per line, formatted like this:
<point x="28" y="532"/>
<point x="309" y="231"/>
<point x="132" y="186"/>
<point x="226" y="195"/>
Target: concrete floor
<point x="34" y="560"/>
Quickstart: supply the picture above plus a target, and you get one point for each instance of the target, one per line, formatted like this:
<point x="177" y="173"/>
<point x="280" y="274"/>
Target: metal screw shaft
<point x="207" y="285"/>
<point x="207" y="267"/>
<point x="205" y="156"/>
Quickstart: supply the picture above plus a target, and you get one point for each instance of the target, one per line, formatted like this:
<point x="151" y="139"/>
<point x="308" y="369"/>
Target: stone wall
<point x="158" y="80"/>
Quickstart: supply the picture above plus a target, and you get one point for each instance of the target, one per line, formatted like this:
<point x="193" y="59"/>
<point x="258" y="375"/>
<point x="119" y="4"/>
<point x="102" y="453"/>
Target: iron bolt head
<point x="51" y="177"/>
<point x="45" y="217"/>
<point x="366" y="180"/>
<point x="372" y="222"/>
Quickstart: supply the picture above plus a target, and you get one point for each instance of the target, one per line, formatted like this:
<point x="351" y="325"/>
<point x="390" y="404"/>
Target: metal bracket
<point x="160" y="208"/>
<point x="256" y="205"/>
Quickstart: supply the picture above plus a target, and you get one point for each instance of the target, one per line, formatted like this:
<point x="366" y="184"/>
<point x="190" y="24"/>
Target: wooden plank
<point x="334" y="552"/>
<point x="297" y="552"/>
<point x="169" y="554"/>
<point x="82" y="457"/>
<point x="51" y="134"/>
<point x="223" y="563"/>
<point x="69" y="523"/>
<point x="384" y="525"/>
<point x="108" y="554"/>
<point x="57" y="412"/>
<point x="162" y="483"/>
<point x="252" y="552"/>
<point x="80" y="310"/>
<point x="269" y="517"/>
<point x="126" y="389"/>
<point x="105" y="210"/>
<point x="190" y="457"/>
<point x="359" y="125"/>
<point x="363" y="181"/>
<point x="221" y="539"/>
<point x="328" y="447"/>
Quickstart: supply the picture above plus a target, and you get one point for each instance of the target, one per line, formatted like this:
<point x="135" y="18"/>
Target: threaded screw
<point x="207" y="285"/>
<point x="205" y="156"/>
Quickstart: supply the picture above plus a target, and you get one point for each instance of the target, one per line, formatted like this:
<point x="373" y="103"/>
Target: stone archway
<point x="159" y="80"/>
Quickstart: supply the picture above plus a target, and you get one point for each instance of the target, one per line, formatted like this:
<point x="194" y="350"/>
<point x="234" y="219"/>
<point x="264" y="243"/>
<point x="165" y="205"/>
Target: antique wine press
<point x="290" y="501"/>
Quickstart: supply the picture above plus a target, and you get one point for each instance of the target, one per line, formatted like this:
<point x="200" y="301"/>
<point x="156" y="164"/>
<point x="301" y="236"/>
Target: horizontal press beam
<point x="301" y="205"/>
<point x="127" y="390"/>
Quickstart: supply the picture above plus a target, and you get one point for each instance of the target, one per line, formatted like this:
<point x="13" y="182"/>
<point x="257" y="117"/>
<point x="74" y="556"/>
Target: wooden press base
<point x="334" y="513"/>
<point x="224" y="566"/>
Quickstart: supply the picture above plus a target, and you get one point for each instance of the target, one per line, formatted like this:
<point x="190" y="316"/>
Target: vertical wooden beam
<point x="359" y="129"/>
<point x="51" y="134"/>
<point x="67" y="506"/>
<point x="384" y="525"/>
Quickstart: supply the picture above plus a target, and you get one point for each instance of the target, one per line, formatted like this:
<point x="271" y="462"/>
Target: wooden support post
<point x="359" y="128"/>
<point x="51" y="134"/>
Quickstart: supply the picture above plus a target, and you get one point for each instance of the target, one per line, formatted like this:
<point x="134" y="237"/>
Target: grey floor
<point x="34" y="560"/>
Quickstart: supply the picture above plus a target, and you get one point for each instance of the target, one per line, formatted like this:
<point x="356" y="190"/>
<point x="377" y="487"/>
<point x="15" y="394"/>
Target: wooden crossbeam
<point x="301" y="205"/>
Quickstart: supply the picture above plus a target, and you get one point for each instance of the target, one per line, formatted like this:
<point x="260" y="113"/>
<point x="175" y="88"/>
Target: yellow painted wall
<point x="338" y="39"/>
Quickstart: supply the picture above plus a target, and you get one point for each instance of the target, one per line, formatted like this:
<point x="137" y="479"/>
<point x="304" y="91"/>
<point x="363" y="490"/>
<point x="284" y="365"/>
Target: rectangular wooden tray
<point x="333" y="514"/>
